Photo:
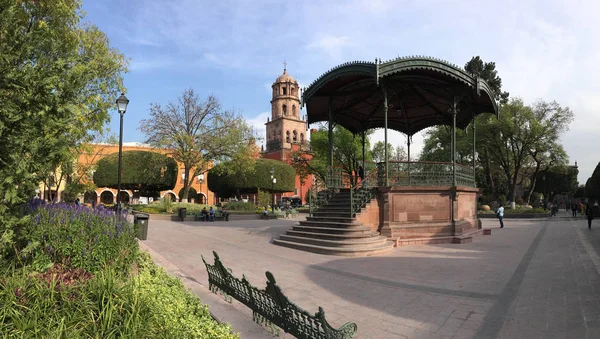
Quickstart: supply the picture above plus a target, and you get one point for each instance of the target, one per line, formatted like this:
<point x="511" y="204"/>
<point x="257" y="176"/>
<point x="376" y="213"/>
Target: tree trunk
<point x="186" y="185"/>
<point x="531" y="188"/>
<point x="489" y="171"/>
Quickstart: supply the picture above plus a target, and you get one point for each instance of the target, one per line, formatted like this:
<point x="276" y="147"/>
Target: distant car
<point x="294" y="202"/>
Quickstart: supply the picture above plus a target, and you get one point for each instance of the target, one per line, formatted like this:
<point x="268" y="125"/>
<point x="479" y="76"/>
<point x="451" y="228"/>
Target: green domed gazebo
<point x="416" y="201"/>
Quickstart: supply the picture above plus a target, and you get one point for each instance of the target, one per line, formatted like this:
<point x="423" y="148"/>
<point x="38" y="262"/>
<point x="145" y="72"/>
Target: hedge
<point x="149" y="172"/>
<point x="226" y="182"/>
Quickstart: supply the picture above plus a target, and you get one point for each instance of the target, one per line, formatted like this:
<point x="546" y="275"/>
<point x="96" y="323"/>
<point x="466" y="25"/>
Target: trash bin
<point x="182" y="212"/>
<point x="140" y="221"/>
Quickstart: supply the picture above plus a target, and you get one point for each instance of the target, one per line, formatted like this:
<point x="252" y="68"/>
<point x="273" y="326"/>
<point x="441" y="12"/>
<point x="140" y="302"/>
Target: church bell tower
<point x="285" y="128"/>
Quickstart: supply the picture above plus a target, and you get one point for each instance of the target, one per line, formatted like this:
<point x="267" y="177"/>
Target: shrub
<point x="520" y="201"/>
<point x="105" y="305"/>
<point x="167" y="204"/>
<point x="502" y="199"/>
<point x="76" y="236"/>
<point x="240" y="206"/>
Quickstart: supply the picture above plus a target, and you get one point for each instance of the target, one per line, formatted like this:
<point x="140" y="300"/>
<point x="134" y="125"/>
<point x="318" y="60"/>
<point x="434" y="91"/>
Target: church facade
<point x="286" y="130"/>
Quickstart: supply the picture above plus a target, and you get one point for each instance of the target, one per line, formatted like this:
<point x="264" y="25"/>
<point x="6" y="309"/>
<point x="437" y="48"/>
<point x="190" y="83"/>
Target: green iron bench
<point x="270" y="307"/>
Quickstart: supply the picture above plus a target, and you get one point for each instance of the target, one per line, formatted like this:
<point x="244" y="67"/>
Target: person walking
<point x="574" y="209"/>
<point x="500" y="214"/>
<point x="589" y="211"/>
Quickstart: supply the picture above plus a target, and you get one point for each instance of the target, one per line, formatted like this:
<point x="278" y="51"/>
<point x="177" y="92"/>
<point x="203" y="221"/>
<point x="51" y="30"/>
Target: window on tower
<point x="284" y="109"/>
<point x="294" y="110"/>
<point x="302" y="138"/>
<point x="293" y="91"/>
<point x="295" y="136"/>
<point x="287" y="136"/>
<point x="284" y="91"/>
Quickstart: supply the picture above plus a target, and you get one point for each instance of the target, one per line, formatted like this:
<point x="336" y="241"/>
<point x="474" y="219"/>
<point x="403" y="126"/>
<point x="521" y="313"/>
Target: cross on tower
<point x="284" y="66"/>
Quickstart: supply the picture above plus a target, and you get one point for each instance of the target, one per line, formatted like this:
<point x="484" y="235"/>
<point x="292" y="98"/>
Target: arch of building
<point x="173" y="195"/>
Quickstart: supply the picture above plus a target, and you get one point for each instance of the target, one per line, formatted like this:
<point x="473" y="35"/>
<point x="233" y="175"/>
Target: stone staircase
<point x="331" y="230"/>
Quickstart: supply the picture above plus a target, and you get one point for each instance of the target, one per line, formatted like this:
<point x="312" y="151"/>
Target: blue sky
<point x="235" y="50"/>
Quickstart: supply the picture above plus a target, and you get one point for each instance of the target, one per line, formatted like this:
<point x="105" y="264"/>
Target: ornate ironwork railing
<point x="271" y="307"/>
<point x="363" y="192"/>
<point x="403" y="173"/>
<point x="334" y="177"/>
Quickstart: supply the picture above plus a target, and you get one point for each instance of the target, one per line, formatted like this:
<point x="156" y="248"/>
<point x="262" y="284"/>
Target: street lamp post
<point x="122" y="102"/>
<point x="201" y="180"/>
<point x="273" y="181"/>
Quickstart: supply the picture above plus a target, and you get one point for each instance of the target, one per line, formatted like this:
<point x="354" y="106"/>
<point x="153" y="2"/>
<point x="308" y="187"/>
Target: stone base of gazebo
<point x="423" y="215"/>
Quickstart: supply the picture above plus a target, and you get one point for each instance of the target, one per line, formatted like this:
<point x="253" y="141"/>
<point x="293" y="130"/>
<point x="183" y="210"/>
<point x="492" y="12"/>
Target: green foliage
<point x="64" y="302"/>
<point x="240" y="206"/>
<point x="226" y="181"/>
<point x="76" y="236"/>
<point x="347" y="151"/>
<point x="265" y="198"/>
<point x="167" y="204"/>
<point x="592" y="185"/>
<point x="58" y="79"/>
<point x="149" y="172"/>
<point x="159" y="208"/>
<point x="502" y="199"/>
<point x="487" y="71"/>
<point x="394" y="154"/>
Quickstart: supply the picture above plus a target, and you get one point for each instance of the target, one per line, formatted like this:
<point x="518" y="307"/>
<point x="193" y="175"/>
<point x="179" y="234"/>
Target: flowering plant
<point x="77" y="236"/>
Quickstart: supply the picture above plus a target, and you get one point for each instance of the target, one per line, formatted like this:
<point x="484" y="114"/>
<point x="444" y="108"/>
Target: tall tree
<point x="347" y="153"/>
<point x="58" y="79"/>
<point x="199" y="133"/>
<point x="592" y="185"/>
<point x="487" y="71"/>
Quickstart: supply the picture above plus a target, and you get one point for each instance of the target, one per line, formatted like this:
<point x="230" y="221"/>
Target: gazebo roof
<point x="420" y="91"/>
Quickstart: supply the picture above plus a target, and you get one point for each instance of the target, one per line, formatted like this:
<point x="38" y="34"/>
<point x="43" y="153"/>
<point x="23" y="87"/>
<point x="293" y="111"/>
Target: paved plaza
<point x="532" y="279"/>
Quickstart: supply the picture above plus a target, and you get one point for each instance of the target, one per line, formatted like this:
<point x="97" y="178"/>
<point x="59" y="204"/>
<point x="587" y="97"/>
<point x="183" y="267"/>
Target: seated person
<point x="265" y="212"/>
<point x="211" y="214"/>
<point x="204" y="214"/>
<point x="224" y="213"/>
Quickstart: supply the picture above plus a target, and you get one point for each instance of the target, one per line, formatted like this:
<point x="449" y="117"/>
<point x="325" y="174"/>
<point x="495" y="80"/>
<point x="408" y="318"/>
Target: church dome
<point x="285" y="77"/>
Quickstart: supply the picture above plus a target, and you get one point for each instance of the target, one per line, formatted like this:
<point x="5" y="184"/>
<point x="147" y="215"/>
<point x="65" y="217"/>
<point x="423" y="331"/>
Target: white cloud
<point x="330" y="45"/>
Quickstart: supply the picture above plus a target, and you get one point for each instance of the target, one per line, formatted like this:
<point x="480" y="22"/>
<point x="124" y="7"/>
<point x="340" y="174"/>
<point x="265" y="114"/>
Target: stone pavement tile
<point x="464" y="333"/>
<point x="450" y="327"/>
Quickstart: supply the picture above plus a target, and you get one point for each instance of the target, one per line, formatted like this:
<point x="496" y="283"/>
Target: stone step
<point x="342" y="251"/>
<point x="342" y="237"/>
<point x="327" y="218"/>
<point x="356" y="243"/>
<point x="333" y="230"/>
<point x="343" y="225"/>
<point x="320" y="213"/>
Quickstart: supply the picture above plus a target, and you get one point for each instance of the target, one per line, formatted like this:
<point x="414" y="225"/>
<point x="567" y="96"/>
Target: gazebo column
<point x="364" y="139"/>
<point x="330" y="135"/>
<point x="408" y="148"/>
<point x="385" y="149"/>
<point x="453" y="193"/>
<point x="474" y="151"/>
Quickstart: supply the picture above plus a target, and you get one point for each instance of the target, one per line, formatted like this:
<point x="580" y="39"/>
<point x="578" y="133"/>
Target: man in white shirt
<point x="500" y="214"/>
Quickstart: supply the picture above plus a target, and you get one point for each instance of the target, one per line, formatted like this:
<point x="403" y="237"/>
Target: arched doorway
<point x="171" y="196"/>
<point x="191" y="194"/>
<point x="107" y="197"/>
<point x="124" y="196"/>
<point x="201" y="198"/>
<point x="90" y="198"/>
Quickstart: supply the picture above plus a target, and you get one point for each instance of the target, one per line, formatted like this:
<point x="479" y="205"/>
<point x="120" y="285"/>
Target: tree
<point x="347" y="153"/>
<point x="199" y="133"/>
<point x="592" y="185"/>
<point x="487" y="71"/>
<point x="149" y="172"/>
<point x="251" y="180"/>
<point x="58" y="78"/>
